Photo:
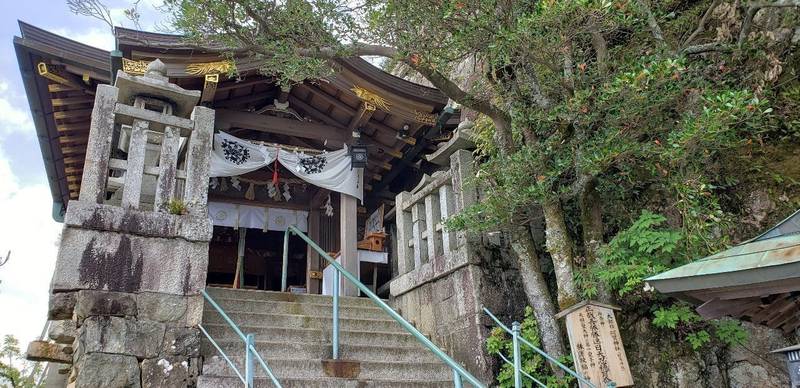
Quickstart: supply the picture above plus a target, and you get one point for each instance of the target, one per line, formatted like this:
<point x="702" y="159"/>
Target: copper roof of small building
<point x="758" y="280"/>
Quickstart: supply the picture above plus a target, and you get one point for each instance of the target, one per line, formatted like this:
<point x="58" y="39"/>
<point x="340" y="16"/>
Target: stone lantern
<point x="792" y="363"/>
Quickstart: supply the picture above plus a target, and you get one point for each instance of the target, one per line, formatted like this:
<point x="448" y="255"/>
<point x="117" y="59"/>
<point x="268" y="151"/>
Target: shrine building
<point x="176" y="172"/>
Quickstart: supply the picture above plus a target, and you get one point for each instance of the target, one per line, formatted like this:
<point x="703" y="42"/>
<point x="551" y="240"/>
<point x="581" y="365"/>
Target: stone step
<point x="304" y="321"/>
<point x="206" y="381"/>
<point x="275" y="296"/>
<point x="370" y="370"/>
<point x="220" y="332"/>
<point x="322" y="350"/>
<point x="297" y="308"/>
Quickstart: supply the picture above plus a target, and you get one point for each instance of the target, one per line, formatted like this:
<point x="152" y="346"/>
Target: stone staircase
<point x="293" y="335"/>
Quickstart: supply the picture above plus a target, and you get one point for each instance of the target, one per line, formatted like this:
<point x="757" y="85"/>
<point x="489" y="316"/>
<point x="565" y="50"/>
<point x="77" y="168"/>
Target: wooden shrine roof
<point x="60" y="76"/>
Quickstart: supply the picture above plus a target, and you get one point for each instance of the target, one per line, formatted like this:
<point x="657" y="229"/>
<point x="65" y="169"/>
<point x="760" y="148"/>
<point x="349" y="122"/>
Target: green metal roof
<point x="771" y="256"/>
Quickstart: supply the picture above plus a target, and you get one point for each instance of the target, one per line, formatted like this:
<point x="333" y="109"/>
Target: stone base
<point x="445" y="298"/>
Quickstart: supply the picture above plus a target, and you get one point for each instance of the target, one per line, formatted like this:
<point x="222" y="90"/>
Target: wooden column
<point x="348" y="237"/>
<point x="312" y="257"/>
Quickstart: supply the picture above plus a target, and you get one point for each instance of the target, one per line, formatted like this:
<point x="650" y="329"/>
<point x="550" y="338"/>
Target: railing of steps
<point x="516" y="362"/>
<point x="251" y="354"/>
<point x="459" y="373"/>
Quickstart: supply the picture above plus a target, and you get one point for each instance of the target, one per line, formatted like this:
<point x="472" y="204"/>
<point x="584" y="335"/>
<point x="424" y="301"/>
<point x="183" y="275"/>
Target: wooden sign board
<point x="374" y="222"/>
<point x="596" y="344"/>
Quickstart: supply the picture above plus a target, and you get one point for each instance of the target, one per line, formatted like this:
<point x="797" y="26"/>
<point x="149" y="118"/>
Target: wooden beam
<point x="72" y="160"/>
<point x="347" y="108"/>
<point x="59" y="75"/>
<point x="73" y="139"/>
<point x="71" y="100"/>
<point x="227" y="119"/>
<point x="242" y="100"/>
<point x="73" y="150"/>
<point x="71" y="114"/>
<point x="73" y="127"/>
<point x="236" y="85"/>
<point x="363" y="113"/>
<point x="716" y="308"/>
<point x="55" y="88"/>
<point x="209" y="87"/>
<point x="412" y="153"/>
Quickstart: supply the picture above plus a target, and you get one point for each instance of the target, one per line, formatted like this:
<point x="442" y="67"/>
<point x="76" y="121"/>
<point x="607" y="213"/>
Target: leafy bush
<point x="499" y="342"/>
<point x="644" y="249"/>
<point x="177" y="207"/>
<point x="687" y="324"/>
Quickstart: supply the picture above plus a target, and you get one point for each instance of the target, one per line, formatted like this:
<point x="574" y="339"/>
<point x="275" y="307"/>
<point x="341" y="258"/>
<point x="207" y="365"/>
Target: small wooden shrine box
<point x="596" y="345"/>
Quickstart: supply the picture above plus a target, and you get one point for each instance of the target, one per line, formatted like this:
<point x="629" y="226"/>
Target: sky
<point x="27" y="228"/>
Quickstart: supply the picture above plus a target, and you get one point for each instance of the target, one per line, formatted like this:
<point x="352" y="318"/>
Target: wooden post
<point x="312" y="257"/>
<point x="238" y="278"/>
<point x="98" y="149"/>
<point x="132" y="192"/>
<point x="348" y="246"/>
<point x="168" y="168"/>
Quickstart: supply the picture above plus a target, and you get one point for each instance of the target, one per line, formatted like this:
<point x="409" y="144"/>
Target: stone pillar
<point x="348" y="246"/>
<point x="126" y="289"/>
<point x="98" y="148"/>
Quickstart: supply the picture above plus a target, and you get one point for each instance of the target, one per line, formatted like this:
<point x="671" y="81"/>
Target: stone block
<point x="92" y="303"/>
<point x="167" y="372"/>
<point x="49" y="352"/>
<point x="139" y="338"/>
<point x="181" y="341"/>
<point x="97" y="260"/>
<point x="61" y="306"/>
<point x="63" y="331"/>
<point x="162" y="307"/>
<point x="85" y="215"/>
<point x="108" y="371"/>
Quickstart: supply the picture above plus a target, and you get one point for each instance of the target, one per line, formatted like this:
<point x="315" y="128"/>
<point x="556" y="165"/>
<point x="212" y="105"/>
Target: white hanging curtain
<point x="232" y="156"/>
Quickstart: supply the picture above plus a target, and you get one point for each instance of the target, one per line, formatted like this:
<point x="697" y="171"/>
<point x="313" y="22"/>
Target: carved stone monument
<point x="596" y="345"/>
<point x="125" y="295"/>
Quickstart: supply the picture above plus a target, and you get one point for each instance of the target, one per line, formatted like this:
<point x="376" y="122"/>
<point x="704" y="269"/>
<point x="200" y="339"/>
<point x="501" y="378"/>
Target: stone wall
<point x="447" y="278"/>
<point x="659" y="359"/>
<point x="125" y="296"/>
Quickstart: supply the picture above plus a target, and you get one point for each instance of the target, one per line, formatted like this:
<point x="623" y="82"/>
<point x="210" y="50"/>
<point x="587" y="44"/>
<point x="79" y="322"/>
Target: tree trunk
<point x="593" y="228"/>
<point x="538" y="295"/>
<point x="559" y="244"/>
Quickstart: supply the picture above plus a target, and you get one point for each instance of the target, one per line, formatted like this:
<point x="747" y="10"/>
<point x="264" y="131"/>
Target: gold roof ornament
<point x="371" y="98"/>
<point x="204" y="68"/>
<point x="134" y="67"/>
<point x="425" y="118"/>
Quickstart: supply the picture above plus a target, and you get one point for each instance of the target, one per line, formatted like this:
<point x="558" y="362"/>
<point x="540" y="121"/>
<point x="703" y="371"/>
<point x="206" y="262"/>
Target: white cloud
<point x="27" y="230"/>
<point x="30" y="233"/>
<point x="13" y="118"/>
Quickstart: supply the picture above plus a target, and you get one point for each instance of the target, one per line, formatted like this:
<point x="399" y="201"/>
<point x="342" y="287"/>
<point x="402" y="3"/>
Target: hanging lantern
<point x="358" y="152"/>
<point x="358" y="156"/>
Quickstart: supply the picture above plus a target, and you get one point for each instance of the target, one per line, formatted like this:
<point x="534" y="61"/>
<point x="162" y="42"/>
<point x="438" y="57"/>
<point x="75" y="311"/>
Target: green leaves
<point x="499" y="342"/>
<point x="642" y="250"/>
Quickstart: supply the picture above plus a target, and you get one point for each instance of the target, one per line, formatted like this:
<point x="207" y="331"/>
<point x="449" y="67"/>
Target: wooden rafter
<point x="59" y="75"/>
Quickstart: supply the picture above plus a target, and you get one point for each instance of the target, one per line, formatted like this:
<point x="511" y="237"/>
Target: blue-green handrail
<point x="458" y="371"/>
<point x="517" y="359"/>
<point x="250" y="349"/>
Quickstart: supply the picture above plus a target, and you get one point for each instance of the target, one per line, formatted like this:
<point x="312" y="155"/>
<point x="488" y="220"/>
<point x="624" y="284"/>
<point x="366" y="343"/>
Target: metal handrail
<point x="250" y="350"/>
<point x="517" y="359"/>
<point x="458" y="370"/>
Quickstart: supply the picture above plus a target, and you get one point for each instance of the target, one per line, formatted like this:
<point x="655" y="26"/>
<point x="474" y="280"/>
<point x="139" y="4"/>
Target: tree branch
<point x="644" y="7"/>
<point x="753" y="9"/>
<point x="701" y="25"/>
<point x="601" y="51"/>
<point x="707" y="47"/>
